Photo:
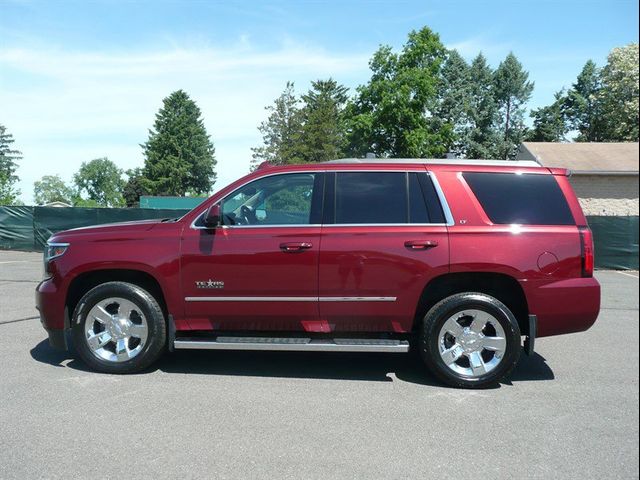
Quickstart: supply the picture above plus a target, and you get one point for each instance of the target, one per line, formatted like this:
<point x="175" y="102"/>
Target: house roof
<point x="584" y="158"/>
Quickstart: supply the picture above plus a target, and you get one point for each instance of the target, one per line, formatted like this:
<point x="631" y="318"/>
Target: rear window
<point x="527" y="199"/>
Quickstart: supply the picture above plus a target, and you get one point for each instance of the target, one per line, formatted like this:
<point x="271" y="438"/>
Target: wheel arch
<point x="84" y="282"/>
<point x="498" y="285"/>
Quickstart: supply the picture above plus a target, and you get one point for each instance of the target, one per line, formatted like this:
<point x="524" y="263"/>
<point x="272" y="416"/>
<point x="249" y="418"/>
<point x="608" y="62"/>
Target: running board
<point x="292" y="344"/>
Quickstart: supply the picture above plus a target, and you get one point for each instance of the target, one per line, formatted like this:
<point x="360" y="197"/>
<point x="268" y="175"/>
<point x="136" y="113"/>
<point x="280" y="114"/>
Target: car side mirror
<point x="213" y="217"/>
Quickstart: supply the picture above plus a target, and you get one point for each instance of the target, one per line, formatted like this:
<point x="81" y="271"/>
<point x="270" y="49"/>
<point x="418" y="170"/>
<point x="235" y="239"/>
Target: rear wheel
<point x="118" y="327"/>
<point x="470" y="340"/>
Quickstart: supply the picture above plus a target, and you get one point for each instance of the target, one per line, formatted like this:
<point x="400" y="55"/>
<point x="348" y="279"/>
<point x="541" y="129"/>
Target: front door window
<point x="275" y="200"/>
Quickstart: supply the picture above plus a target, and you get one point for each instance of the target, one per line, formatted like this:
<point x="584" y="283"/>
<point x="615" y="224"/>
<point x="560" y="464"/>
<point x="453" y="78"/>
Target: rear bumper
<point x="50" y="305"/>
<point x="566" y="306"/>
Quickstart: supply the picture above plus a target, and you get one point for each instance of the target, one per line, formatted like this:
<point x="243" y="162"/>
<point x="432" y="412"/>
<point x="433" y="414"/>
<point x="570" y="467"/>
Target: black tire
<point x="438" y="315"/>
<point x="156" y="337"/>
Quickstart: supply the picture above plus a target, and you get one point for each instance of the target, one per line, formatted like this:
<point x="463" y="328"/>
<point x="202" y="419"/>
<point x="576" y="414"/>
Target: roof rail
<point x="440" y="161"/>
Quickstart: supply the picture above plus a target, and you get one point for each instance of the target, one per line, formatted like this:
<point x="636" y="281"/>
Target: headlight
<point x="51" y="251"/>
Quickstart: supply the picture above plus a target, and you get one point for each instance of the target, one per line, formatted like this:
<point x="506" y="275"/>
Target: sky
<point x="84" y="79"/>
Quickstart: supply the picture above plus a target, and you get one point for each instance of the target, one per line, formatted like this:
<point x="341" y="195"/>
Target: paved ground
<point x="571" y="411"/>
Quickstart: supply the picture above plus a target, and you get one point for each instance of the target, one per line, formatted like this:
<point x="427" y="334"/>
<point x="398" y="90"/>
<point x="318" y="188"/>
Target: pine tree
<point x="454" y="99"/>
<point x="550" y="123"/>
<point x="322" y="121"/>
<point x="8" y="165"/>
<point x="179" y="154"/>
<point x="481" y="137"/>
<point x="512" y="92"/>
<point x="134" y="188"/>
<point x="281" y="131"/>
<point x="583" y="105"/>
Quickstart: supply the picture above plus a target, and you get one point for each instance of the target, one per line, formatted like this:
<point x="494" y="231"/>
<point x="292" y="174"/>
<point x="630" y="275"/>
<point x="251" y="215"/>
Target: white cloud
<point x="65" y="107"/>
<point x="471" y="47"/>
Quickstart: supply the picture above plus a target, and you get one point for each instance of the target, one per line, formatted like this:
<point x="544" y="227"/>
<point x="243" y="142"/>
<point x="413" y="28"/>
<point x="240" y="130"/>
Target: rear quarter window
<point x="527" y="199"/>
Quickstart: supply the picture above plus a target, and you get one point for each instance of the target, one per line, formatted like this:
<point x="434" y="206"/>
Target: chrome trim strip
<point x="294" y="225"/>
<point x="251" y="299"/>
<point x="443" y="200"/>
<point x="327" y="225"/>
<point x="290" y="299"/>
<point x="357" y="299"/>
<point x="318" y="225"/>
<point x="401" y="346"/>
<point x="58" y="244"/>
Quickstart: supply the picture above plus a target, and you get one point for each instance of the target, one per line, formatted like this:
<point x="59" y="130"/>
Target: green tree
<point x="512" y="92"/>
<point x="454" y="99"/>
<point x="134" y="188"/>
<point x="281" y="132"/>
<point x="99" y="183"/>
<point x="51" y="188"/>
<point x="394" y="114"/>
<point x="481" y="137"/>
<point x="8" y="166"/>
<point x="619" y="94"/>
<point x="322" y="130"/>
<point x="583" y="105"/>
<point x="179" y="154"/>
<point x="550" y="123"/>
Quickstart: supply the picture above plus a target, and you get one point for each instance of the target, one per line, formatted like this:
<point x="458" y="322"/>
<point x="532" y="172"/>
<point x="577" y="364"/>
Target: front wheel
<point x="470" y="340"/>
<point x="118" y="327"/>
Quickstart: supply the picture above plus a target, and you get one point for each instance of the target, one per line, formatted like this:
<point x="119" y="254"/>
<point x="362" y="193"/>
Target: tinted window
<point x="275" y="200"/>
<point x="521" y="199"/>
<point x="371" y="197"/>
<point x="417" y="208"/>
<point x="436" y="215"/>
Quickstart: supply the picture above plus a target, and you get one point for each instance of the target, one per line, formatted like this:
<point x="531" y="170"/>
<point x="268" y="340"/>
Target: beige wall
<point x="607" y="195"/>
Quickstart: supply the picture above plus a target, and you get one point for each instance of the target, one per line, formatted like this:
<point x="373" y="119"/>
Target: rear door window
<point x="528" y="199"/>
<point x="381" y="198"/>
<point x="371" y="197"/>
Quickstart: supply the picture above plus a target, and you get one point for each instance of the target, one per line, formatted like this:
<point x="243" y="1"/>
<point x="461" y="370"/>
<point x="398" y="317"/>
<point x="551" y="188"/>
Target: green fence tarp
<point x="616" y="242"/>
<point x="16" y="228"/>
<point x="28" y="228"/>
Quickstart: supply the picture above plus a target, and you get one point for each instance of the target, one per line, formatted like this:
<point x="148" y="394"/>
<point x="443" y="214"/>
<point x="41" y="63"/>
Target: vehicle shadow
<point x="332" y="366"/>
<point x="44" y="353"/>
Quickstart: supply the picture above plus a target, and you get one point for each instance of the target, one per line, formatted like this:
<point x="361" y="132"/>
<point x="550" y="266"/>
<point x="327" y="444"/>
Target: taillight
<point x="586" y="243"/>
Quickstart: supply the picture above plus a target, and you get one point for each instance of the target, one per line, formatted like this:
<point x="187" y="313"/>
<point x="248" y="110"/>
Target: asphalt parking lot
<point x="570" y="411"/>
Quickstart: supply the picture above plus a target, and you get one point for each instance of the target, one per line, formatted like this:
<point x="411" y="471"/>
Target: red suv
<point x="459" y="259"/>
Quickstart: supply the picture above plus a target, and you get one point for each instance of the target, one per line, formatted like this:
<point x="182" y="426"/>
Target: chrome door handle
<point x="293" y="247"/>
<point x="420" y="244"/>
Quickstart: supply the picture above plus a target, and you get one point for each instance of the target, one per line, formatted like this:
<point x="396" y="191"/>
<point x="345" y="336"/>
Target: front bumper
<point x="53" y="315"/>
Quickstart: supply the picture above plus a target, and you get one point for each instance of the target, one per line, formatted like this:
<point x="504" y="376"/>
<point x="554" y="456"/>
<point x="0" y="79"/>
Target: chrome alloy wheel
<point x="116" y="330"/>
<point x="472" y="343"/>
